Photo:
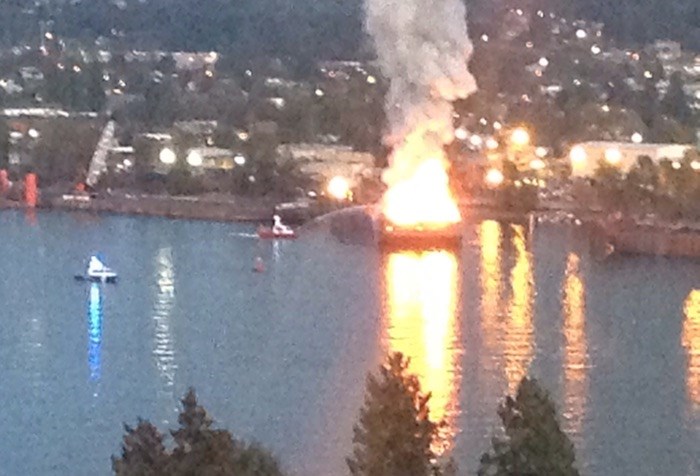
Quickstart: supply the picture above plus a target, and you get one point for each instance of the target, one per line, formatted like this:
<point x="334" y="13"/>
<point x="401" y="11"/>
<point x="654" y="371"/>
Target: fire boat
<point x="278" y="231"/>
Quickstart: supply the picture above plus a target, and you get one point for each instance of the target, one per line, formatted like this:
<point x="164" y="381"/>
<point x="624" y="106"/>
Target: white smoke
<point x="423" y="49"/>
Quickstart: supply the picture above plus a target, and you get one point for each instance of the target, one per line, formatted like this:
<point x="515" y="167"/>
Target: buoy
<point x="30" y="190"/>
<point x="259" y="265"/>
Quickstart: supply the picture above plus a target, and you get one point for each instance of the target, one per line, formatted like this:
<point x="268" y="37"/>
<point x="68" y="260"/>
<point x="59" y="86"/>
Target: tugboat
<point x="97" y="272"/>
<point x="277" y="231"/>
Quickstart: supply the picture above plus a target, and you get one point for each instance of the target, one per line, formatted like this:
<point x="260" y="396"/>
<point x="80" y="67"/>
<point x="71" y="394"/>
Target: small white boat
<point x="97" y="272"/>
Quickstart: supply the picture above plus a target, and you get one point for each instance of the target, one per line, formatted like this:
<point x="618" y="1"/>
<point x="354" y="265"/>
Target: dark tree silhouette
<point x="394" y="433"/>
<point x="200" y="450"/>
<point x="143" y="452"/>
<point x="534" y="444"/>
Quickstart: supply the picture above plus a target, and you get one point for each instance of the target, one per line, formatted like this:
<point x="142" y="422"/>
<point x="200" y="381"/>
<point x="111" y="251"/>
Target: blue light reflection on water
<point x="95" y="316"/>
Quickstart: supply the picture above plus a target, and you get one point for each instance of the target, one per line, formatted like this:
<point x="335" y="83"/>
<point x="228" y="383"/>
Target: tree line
<point x="394" y="436"/>
<point x="304" y="28"/>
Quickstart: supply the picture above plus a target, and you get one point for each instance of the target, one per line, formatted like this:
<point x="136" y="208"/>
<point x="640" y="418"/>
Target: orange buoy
<point x="4" y="182"/>
<point x="30" y="190"/>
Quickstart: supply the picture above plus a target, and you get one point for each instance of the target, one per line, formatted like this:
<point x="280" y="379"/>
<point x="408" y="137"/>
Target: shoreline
<point x="176" y="208"/>
<point x="658" y="238"/>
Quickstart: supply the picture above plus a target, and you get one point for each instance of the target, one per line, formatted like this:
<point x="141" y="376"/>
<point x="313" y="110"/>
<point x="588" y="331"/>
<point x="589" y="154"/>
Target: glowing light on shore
<point x="167" y="156"/>
<point x="537" y="164"/>
<point x="613" y="156"/>
<point x="520" y="137"/>
<point x="491" y="143"/>
<point x="578" y="155"/>
<point x="195" y="159"/>
<point x="494" y="177"/>
<point x="339" y="188"/>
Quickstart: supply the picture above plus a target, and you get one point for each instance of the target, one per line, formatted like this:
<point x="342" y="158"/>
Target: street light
<point x="491" y="143"/>
<point x="520" y="137"/>
<point x="167" y="156"/>
<point x="339" y="188"/>
<point x="637" y="138"/>
<point x="613" y="155"/>
<point x="578" y="155"/>
<point x="195" y="159"/>
<point x="239" y="159"/>
<point x="494" y="177"/>
<point x="537" y="164"/>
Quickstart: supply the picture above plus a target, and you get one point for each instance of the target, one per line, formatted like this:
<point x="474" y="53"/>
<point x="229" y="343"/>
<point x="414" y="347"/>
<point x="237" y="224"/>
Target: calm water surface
<point x="281" y="357"/>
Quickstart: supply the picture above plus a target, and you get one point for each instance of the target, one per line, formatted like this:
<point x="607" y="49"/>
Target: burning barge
<point x="418" y="237"/>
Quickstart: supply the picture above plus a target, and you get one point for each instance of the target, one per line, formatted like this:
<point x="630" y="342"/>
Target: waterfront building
<point x="323" y="162"/>
<point x="586" y="156"/>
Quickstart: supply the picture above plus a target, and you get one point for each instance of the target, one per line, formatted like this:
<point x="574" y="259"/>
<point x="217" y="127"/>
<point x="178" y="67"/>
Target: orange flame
<point x="419" y="194"/>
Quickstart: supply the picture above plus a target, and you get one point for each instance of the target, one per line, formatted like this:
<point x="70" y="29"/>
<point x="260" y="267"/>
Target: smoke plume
<point x="423" y="49"/>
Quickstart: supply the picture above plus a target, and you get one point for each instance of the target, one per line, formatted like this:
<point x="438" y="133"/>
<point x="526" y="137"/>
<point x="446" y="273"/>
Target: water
<point x="281" y="357"/>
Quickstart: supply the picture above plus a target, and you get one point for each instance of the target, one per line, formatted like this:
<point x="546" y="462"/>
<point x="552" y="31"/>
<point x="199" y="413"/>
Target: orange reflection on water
<point x="691" y="342"/>
<point x="490" y="244"/>
<point x="576" y="356"/>
<point x="518" y="328"/>
<point x="421" y="296"/>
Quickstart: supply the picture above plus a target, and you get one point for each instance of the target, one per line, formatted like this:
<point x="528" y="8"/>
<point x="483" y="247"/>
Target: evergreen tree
<point x="394" y="434"/>
<point x="143" y="452"/>
<point x="676" y="103"/>
<point x="534" y="444"/>
<point x="200" y="450"/>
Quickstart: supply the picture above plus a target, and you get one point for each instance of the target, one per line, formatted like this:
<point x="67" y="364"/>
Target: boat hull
<point x="96" y="279"/>
<point x="397" y="238"/>
<point x="267" y="233"/>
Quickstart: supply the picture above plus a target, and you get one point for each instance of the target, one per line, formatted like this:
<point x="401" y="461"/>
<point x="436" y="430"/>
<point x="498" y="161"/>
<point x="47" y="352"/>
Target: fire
<point x="419" y="195"/>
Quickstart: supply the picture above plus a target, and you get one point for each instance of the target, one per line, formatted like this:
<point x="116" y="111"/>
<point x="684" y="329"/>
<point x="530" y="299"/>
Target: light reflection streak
<point x="576" y="352"/>
<point x="163" y="351"/>
<point x="95" y="317"/>
<point x="421" y="296"/>
<point x="518" y="329"/>
<point x="490" y="243"/>
<point x="691" y="343"/>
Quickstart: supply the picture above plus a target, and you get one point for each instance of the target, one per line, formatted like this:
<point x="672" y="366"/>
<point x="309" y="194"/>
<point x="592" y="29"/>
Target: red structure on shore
<point x="30" y="190"/>
<point x="4" y="182"/>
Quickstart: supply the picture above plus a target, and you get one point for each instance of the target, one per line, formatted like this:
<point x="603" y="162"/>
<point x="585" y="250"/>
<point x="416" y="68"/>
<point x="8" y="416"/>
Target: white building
<point x="324" y="162"/>
<point x="586" y="156"/>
